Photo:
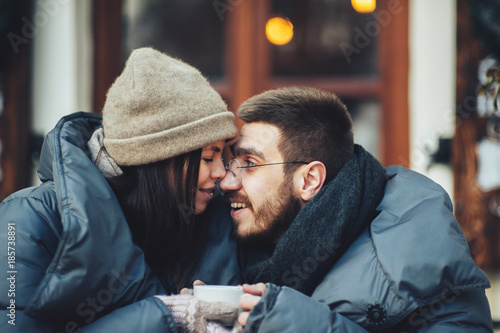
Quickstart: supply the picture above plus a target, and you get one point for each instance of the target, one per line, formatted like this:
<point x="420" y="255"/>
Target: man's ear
<point x="311" y="180"/>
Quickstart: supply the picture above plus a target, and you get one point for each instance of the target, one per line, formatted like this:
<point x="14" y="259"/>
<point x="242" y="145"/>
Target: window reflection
<point x="187" y="29"/>
<point x="365" y="116"/>
<point x="320" y="28"/>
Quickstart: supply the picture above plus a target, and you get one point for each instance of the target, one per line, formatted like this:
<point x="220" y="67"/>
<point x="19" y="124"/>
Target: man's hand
<point x="247" y="302"/>
<point x="198" y="283"/>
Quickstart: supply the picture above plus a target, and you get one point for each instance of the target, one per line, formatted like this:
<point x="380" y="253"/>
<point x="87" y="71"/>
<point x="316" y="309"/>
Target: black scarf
<point x="323" y="230"/>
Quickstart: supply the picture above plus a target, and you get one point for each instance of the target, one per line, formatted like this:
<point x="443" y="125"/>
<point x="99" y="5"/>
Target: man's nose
<point x="228" y="184"/>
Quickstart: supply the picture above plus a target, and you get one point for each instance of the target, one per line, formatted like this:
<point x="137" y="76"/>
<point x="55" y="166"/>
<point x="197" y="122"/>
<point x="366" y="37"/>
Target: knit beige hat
<point x="161" y="107"/>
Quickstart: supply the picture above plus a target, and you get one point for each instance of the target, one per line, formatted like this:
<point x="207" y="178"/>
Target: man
<point x="343" y="244"/>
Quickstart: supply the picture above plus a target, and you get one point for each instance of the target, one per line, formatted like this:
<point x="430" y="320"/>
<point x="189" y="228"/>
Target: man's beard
<point x="272" y="221"/>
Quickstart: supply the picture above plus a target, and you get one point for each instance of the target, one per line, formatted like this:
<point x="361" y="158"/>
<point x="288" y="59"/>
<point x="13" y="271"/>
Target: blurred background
<point x="420" y="78"/>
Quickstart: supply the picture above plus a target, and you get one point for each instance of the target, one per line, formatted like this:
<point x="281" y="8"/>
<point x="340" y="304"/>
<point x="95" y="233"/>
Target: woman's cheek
<point x="204" y="173"/>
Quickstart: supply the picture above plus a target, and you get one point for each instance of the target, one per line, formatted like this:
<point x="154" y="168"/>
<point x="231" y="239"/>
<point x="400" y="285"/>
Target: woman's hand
<point x="247" y="302"/>
<point x="187" y="291"/>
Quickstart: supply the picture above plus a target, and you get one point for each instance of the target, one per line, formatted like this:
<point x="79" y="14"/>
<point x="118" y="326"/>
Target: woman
<point x="118" y="216"/>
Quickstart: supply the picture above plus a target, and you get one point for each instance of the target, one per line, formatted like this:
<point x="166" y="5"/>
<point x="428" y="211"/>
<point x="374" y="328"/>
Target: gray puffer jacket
<point x="71" y="259"/>
<point x="409" y="271"/>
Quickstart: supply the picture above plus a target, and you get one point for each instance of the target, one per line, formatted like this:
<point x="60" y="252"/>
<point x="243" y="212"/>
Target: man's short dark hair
<point x="315" y="125"/>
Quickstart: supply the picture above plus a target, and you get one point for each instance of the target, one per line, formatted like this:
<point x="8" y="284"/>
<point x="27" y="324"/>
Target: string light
<point x="364" y="6"/>
<point x="279" y="30"/>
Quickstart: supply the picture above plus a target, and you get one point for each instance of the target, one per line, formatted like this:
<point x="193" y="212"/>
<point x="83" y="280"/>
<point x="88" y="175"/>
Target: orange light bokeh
<point x="364" y="6"/>
<point x="279" y="31"/>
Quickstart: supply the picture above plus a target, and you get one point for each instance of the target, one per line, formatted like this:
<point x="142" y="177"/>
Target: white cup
<point x="216" y="293"/>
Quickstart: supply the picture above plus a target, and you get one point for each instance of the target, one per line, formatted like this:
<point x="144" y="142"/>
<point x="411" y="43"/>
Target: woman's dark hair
<point x="159" y="205"/>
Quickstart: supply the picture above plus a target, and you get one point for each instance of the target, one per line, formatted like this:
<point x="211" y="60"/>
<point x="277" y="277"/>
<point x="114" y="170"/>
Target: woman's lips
<point x="208" y="193"/>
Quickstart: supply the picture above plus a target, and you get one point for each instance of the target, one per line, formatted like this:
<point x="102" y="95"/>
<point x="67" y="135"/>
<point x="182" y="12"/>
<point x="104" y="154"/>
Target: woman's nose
<point x="219" y="171"/>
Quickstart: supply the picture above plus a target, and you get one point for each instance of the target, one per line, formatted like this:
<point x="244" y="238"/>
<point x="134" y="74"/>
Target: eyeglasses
<point x="234" y="168"/>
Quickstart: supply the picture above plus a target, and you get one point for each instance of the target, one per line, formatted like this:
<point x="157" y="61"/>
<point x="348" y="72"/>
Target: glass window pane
<point x="366" y="116"/>
<point x="187" y="29"/>
<point x="330" y="39"/>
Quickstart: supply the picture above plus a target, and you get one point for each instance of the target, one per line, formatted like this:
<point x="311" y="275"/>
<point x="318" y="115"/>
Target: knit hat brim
<point x="165" y="144"/>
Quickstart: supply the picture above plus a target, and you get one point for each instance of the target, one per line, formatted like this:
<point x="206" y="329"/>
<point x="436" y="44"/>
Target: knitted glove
<point x="216" y="327"/>
<point x="193" y="315"/>
<point x="187" y="291"/>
